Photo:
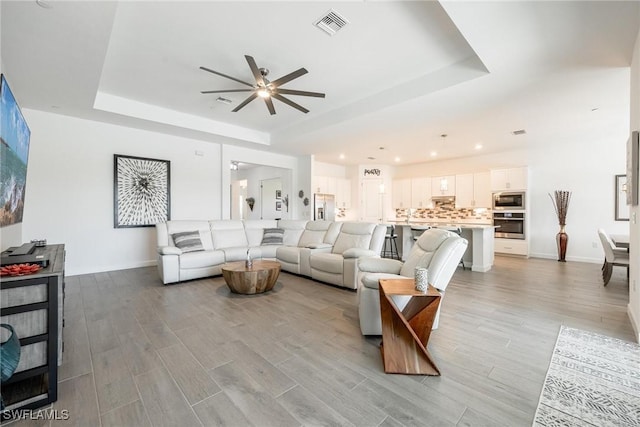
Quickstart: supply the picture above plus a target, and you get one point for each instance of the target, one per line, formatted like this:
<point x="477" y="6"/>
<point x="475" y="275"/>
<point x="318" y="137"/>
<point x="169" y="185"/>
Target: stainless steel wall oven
<point x="511" y="225"/>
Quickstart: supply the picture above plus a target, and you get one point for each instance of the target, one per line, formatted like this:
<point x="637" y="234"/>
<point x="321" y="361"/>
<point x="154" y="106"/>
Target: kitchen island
<point x="479" y="254"/>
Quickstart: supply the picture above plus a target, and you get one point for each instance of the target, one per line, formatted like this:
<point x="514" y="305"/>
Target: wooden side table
<point x="260" y="278"/>
<point x="405" y="333"/>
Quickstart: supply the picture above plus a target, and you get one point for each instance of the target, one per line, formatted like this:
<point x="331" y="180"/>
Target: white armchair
<point x="438" y="250"/>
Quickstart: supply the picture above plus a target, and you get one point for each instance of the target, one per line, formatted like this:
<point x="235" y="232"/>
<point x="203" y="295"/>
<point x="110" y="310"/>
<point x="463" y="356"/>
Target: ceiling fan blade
<point x="224" y="75"/>
<point x="270" y="106"/>
<point x="282" y="80"/>
<point x="245" y="102"/>
<point x="254" y="69"/>
<point x="300" y="92"/>
<point x="228" y="90"/>
<point x="289" y="102"/>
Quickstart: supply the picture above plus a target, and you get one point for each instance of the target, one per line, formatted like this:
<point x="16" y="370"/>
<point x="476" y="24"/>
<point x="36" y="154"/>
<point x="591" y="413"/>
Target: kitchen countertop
<point x="443" y="224"/>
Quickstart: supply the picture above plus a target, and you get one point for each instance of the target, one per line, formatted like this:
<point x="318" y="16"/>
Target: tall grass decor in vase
<point x="560" y="200"/>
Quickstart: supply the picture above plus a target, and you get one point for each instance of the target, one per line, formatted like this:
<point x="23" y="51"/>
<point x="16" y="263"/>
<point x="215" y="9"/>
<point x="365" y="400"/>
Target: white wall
<point x="12" y="234"/>
<point x="587" y="168"/>
<point x="254" y="177"/>
<point x="634" y="273"/>
<point x="296" y="166"/>
<point x="70" y="188"/>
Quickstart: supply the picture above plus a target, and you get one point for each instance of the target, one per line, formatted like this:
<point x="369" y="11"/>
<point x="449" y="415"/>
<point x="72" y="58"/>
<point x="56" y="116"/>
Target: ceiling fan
<point x="266" y="89"/>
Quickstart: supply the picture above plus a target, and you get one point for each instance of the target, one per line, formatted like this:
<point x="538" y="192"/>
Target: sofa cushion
<point x="290" y="254"/>
<point x="229" y="239"/>
<point x="293" y="229"/>
<point x="354" y="235"/>
<point x="266" y="251"/>
<point x="254" y="229"/>
<point x="188" y="241"/>
<point x="423" y="249"/>
<point x="330" y="263"/>
<point x="201" y="259"/>
<point x="272" y="236"/>
<point x="240" y="254"/>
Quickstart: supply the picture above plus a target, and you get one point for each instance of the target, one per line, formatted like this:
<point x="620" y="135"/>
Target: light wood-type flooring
<point x="138" y="353"/>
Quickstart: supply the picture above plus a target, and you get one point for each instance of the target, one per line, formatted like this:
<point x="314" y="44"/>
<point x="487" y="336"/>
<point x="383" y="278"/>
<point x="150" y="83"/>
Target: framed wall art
<point x="633" y="152"/>
<point x="622" y="210"/>
<point x="141" y="191"/>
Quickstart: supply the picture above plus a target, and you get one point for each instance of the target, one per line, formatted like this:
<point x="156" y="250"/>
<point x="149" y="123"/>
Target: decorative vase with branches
<point x="560" y="200"/>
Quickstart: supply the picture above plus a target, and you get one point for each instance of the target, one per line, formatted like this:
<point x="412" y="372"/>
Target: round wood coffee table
<point x="261" y="277"/>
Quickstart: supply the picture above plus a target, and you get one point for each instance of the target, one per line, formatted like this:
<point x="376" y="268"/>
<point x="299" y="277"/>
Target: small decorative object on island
<point x="421" y="279"/>
<point x="561" y="205"/>
<point x="251" y="201"/>
<point x="249" y="262"/>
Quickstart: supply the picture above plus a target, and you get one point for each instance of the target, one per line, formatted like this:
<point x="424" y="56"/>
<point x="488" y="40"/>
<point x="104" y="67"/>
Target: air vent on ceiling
<point x="331" y="22"/>
<point x="519" y="132"/>
<point x="223" y="100"/>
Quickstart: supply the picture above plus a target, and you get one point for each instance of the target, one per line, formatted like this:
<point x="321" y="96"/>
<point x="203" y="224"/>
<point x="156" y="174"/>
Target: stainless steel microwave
<point x="509" y="200"/>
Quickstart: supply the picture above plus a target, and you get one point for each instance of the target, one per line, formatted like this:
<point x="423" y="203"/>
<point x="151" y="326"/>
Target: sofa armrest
<point x="358" y="253"/>
<point x="169" y="250"/>
<point x="380" y="265"/>
<point x="319" y="246"/>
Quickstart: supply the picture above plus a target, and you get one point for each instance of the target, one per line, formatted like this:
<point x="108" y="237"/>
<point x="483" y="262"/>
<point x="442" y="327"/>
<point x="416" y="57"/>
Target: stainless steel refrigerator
<point x="324" y="207"/>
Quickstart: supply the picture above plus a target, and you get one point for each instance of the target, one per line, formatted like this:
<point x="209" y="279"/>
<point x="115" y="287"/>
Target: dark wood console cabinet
<point x="34" y="305"/>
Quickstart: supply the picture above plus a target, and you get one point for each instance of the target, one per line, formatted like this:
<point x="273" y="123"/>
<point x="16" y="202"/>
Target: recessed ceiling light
<point x="341" y="156"/>
<point x="371" y="158"/>
<point x="380" y="148"/>
<point x="434" y="153"/>
<point x="519" y="132"/>
<point x="595" y="109"/>
<point x="444" y="135"/>
<point x="397" y="159"/>
<point x="223" y="100"/>
<point x="478" y="146"/>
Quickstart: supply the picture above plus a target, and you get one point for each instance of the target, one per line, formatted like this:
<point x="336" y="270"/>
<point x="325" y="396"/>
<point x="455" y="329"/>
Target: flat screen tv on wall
<point x="14" y="156"/>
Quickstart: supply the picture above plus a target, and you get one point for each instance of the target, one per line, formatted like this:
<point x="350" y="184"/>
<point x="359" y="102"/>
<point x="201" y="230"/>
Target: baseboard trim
<point x="104" y="269"/>
<point x="576" y="259"/>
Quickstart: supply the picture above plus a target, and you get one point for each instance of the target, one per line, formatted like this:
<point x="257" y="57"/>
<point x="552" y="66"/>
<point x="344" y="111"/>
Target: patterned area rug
<point x="593" y="380"/>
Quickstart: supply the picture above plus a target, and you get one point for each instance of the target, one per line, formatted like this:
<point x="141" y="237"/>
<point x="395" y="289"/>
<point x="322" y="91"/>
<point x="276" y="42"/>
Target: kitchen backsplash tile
<point x="447" y="211"/>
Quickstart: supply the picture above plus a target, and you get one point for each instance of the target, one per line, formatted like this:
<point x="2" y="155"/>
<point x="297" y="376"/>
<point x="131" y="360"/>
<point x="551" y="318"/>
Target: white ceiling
<point x="398" y="76"/>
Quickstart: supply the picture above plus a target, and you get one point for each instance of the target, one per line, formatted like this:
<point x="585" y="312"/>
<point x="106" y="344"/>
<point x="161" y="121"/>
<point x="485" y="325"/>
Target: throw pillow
<point x="188" y="241"/>
<point x="272" y="236"/>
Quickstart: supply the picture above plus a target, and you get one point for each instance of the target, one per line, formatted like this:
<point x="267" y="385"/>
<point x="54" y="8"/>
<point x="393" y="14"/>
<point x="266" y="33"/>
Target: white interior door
<point x="371" y="202"/>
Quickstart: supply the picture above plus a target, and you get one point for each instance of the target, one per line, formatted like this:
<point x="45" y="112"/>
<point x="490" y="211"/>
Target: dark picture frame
<point x="278" y="194"/>
<point x="141" y="191"/>
<point x="622" y="210"/>
<point x="278" y="205"/>
<point x="633" y="163"/>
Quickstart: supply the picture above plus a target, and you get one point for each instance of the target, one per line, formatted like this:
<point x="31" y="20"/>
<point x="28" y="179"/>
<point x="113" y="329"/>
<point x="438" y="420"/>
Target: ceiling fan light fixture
<point x="264" y="93"/>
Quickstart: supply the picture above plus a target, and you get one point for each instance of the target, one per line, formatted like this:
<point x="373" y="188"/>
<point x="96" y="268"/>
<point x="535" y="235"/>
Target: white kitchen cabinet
<point x="509" y="179"/>
<point x="443" y="185"/>
<point x="325" y="184"/>
<point x="481" y="190"/>
<point x="401" y="193"/>
<point x="343" y="193"/>
<point x="421" y="192"/>
<point x="464" y="191"/>
<point x="512" y="247"/>
<point x="473" y="190"/>
<point x="319" y="184"/>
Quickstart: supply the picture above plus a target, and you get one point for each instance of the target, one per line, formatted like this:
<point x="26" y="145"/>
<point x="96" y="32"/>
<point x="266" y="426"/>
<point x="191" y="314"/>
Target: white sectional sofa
<point x="323" y="250"/>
